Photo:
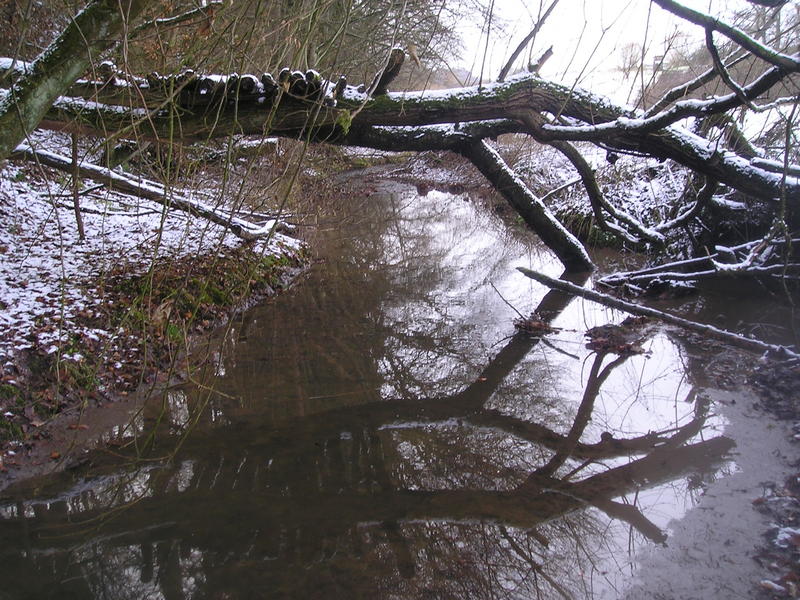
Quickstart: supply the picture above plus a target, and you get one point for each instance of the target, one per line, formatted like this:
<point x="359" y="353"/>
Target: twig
<point x="723" y="72"/>
<point x="511" y="306"/>
<point x="76" y="188"/>
<point x="560" y="188"/>
<point x="514" y="55"/>
<point x="84" y="192"/>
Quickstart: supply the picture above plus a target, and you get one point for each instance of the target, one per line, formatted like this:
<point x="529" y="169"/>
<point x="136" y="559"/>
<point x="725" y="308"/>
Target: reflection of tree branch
<point x="606" y="448"/>
<point x="538" y="500"/>
<point x="400" y="547"/>
<point x="632" y="515"/>
<point x="537" y="568"/>
<point x="373" y="415"/>
<point x="584" y="413"/>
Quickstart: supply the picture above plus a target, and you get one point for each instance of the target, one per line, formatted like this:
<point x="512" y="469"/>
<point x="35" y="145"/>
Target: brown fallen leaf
<point x="55" y="455"/>
<point x="80" y="426"/>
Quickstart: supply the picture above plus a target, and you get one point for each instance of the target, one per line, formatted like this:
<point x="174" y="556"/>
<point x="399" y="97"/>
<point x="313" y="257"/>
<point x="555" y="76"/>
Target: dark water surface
<point x="380" y="431"/>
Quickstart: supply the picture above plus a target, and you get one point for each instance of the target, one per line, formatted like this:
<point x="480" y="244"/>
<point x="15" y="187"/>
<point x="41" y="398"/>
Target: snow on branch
<point x="705" y="267"/>
<point x="151" y="191"/>
<point x="685" y="89"/>
<point x="788" y="63"/>
<point x="704" y="197"/>
<point x="629" y="228"/>
<point x="424" y="120"/>
<point x="740" y="341"/>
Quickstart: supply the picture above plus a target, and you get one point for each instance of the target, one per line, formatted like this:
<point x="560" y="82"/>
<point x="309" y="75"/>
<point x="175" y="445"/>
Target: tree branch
<point x="599" y="204"/>
<point x="589" y="118"/>
<point x="685" y="89"/>
<point x="739" y="341"/>
<point x="206" y="11"/>
<point x="527" y="40"/>
<point x="723" y="72"/>
<point x="704" y="196"/>
<point x="151" y="191"/>
<point x="788" y="63"/>
<point x="568" y="249"/>
<point x="90" y="32"/>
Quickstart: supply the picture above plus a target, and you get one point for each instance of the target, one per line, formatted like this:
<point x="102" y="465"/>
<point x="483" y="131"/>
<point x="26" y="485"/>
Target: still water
<point x="383" y="431"/>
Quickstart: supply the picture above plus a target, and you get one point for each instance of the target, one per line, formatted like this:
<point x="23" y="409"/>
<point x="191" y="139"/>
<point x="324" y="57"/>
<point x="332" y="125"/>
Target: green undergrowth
<point x="151" y="321"/>
<point x="584" y="227"/>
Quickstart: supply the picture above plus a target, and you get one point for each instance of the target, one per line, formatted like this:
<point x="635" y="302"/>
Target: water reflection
<point x="388" y="442"/>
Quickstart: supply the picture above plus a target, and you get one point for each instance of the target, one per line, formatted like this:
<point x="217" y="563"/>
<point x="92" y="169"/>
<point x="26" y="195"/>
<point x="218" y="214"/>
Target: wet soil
<point x="713" y="549"/>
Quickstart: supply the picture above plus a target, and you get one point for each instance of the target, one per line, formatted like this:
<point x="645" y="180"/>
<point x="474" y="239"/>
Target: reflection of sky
<point x="647" y="393"/>
<point x="445" y="323"/>
<point x="458" y="306"/>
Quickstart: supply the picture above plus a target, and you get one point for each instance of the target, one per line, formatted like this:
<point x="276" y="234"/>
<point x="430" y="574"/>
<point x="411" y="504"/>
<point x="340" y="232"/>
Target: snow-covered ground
<point x="48" y="276"/>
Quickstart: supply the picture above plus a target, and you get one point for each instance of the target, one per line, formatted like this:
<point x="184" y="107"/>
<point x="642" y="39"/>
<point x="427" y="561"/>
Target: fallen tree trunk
<point x="191" y="107"/>
<point x="151" y="191"/>
<point x="214" y="106"/>
<point x="565" y="245"/>
<point x="734" y="339"/>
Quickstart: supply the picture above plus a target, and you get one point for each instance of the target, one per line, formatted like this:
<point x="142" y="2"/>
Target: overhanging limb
<point x="566" y="246"/>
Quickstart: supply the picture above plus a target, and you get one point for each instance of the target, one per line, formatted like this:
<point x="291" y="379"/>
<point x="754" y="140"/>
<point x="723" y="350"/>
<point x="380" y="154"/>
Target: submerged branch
<point x="734" y="339"/>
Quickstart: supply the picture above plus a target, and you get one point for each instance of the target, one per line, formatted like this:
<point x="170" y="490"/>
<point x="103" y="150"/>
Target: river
<point x="382" y="430"/>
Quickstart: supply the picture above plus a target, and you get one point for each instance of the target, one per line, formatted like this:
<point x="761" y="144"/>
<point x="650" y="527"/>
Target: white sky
<point x="597" y="28"/>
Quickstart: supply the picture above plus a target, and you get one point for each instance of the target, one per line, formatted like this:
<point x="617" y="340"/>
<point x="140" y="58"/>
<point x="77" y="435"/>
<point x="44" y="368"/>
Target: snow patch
<point x="47" y="273"/>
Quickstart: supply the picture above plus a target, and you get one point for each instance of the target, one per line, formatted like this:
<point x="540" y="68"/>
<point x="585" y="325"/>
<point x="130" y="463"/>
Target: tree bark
<point x="521" y="102"/>
<point x="739" y="341"/>
<point x="568" y="249"/>
<point x="94" y="29"/>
